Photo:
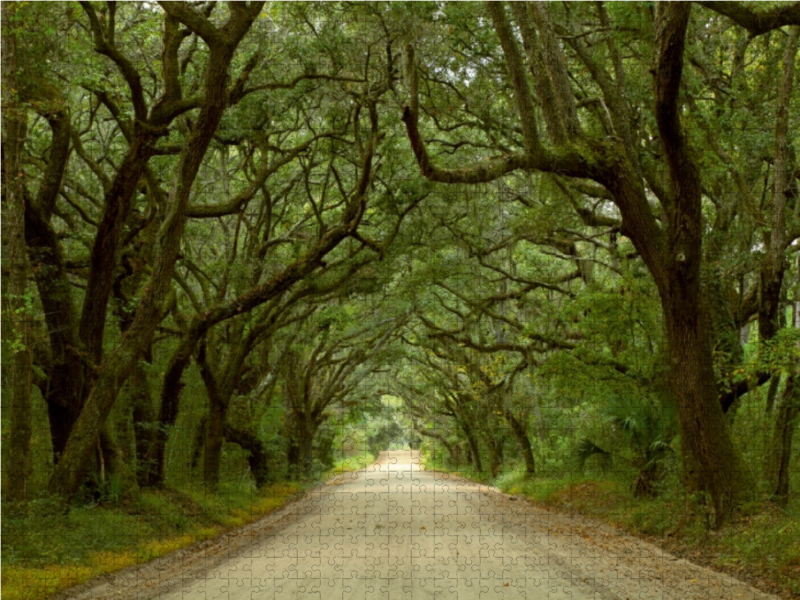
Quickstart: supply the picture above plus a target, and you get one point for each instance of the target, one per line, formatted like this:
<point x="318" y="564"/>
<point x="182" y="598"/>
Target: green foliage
<point x="586" y="449"/>
<point x="25" y="311"/>
<point x="640" y="433"/>
<point x="347" y="464"/>
<point x="511" y="305"/>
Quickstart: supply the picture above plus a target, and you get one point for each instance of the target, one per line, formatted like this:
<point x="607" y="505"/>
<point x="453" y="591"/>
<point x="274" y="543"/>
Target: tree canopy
<point x="237" y="235"/>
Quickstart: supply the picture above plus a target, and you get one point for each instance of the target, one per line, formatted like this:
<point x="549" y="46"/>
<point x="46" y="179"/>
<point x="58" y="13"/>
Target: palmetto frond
<point x="586" y="449"/>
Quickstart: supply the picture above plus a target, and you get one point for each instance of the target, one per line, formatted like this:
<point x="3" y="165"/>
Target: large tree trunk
<point x="495" y="446"/>
<point x="170" y="399"/>
<point x="456" y="455"/>
<point x="292" y="458"/>
<point x="199" y="442"/>
<point x="64" y="393"/>
<point x="219" y="396"/>
<point x="770" y="315"/>
<point x="61" y="419"/>
<point x="780" y="454"/>
<point x="711" y="460"/>
<point x="144" y="424"/>
<point x="14" y="130"/>
<point x="306" y="455"/>
<point x="215" y="437"/>
<point x="301" y="444"/>
<point x="518" y="430"/>
<point x="67" y="373"/>
<point x="307" y="431"/>
<point x="475" y="452"/>
<point x="258" y="458"/>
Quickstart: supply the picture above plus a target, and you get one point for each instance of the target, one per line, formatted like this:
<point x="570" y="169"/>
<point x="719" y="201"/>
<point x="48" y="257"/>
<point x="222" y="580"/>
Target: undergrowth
<point x="48" y="551"/>
<point x="348" y="464"/>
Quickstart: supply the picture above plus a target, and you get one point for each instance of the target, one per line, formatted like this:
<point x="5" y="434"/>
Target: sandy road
<point x="395" y="531"/>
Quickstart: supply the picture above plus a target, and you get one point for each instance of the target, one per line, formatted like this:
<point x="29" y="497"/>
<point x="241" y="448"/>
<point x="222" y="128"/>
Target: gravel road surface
<point x="395" y="531"/>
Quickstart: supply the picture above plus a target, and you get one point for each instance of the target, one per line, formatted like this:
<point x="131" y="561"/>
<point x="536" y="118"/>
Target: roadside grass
<point x="348" y="464"/>
<point x="47" y="552"/>
<point x="467" y="472"/>
<point x="761" y="546"/>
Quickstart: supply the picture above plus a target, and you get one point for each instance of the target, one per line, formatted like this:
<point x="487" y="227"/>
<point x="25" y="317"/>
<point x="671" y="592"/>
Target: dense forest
<point x="546" y="243"/>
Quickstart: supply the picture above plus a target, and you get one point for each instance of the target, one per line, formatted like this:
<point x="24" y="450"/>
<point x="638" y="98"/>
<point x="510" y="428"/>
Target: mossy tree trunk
<point x="16" y="317"/>
<point x="780" y="451"/>
<point x="521" y="437"/>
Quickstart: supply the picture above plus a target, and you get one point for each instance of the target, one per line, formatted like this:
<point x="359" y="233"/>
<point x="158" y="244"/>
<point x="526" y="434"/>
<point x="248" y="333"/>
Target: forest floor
<point x="761" y="546"/>
<point x="47" y="552"/>
<point x="392" y="530"/>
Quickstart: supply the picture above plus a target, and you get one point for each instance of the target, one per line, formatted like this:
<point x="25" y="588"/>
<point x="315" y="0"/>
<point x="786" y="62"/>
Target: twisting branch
<point x="104" y="44"/>
<point x="567" y="161"/>
<point x="757" y="22"/>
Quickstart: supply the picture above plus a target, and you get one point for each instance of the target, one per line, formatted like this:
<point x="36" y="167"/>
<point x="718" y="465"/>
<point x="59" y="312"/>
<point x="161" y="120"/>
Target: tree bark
<point x="215" y="437"/>
<point x="772" y="392"/>
<point x="292" y="458"/>
<point x="218" y="401"/>
<point x="518" y="430"/>
<point x="199" y="442"/>
<point x="301" y="446"/>
<point x="66" y="371"/>
<point x="711" y="461"/>
<point x="108" y="242"/>
<point x="495" y="446"/>
<point x="306" y="432"/>
<point x="780" y="454"/>
<point x="258" y="459"/>
<point x="144" y="424"/>
<point x="16" y="319"/>
<point x="473" y="447"/>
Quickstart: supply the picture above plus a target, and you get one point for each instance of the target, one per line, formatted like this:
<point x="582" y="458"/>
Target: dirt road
<point x="395" y="531"/>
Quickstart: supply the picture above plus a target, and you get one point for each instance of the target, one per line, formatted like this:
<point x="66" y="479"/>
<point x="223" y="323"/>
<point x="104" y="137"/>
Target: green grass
<point x="465" y="471"/>
<point x="537" y="489"/>
<point x="356" y="462"/>
<point x="46" y="552"/>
